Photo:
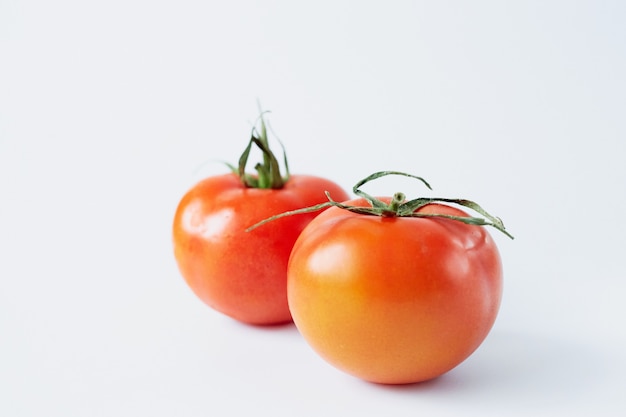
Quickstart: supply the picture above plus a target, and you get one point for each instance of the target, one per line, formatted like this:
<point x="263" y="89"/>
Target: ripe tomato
<point x="243" y="274"/>
<point x="394" y="299"/>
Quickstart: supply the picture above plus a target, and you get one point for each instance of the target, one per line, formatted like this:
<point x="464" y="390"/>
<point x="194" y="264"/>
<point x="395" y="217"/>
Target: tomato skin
<point x="394" y="300"/>
<point x="243" y="274"/>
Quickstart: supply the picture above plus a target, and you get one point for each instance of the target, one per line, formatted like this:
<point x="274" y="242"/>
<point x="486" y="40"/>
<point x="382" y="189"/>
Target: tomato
<point x="240" y="273"/>
<point x="392" y="299"/>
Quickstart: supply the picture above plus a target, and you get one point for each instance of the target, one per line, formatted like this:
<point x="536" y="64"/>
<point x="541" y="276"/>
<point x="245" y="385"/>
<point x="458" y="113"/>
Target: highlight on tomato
<point x="238" y="273"/>
<point x="394" y="291"/>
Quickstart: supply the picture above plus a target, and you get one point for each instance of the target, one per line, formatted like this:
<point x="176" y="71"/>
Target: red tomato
<point x="394" y="299"/>
<point x="243" y="274"/>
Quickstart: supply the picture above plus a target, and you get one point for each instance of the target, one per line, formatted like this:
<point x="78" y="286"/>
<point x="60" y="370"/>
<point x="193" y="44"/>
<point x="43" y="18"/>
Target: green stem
<point x="394" y="205"/>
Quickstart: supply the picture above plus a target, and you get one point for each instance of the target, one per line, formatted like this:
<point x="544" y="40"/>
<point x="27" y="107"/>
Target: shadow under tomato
<point x="286" y="327"/>
<point x="514" y="366"/>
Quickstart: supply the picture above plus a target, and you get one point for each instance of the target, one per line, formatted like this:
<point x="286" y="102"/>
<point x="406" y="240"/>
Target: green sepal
<point x="398" y="207"/>
<point x="268" y="172"/>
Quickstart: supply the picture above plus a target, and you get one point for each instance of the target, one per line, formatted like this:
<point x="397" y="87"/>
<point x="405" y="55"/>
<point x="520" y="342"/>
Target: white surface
<point x="110" y="110"/>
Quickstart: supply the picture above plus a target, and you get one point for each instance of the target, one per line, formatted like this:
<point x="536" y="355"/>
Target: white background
<point x="111" y="110"/>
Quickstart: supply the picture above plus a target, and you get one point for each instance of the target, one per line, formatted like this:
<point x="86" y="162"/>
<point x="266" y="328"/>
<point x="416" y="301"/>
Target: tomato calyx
<point x="398" y="206"/>
<point x="268" y="174"/>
